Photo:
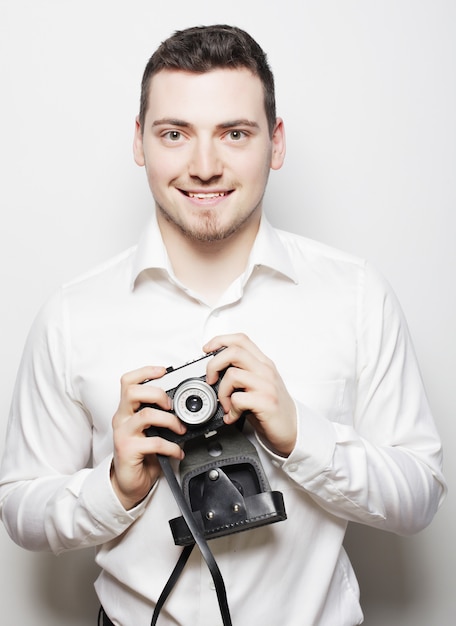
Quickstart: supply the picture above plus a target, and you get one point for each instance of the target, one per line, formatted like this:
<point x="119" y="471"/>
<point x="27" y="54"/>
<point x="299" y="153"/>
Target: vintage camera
<point x="223" y="481"/>
<point x="195" y="402"/>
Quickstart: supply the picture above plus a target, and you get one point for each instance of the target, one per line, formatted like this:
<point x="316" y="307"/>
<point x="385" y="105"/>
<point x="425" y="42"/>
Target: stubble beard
<point x="208" y="228"/>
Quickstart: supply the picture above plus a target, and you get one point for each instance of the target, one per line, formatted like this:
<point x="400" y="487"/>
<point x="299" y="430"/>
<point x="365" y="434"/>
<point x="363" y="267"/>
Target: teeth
<point x="205" y="196"/>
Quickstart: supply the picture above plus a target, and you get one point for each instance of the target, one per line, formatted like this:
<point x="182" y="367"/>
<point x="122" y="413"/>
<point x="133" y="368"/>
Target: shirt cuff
<point x="101" y="500"/>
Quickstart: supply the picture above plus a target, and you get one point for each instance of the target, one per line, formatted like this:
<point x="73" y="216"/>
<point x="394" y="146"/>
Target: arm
<point x="382" y="466"/>
<point x="50" y="497"/>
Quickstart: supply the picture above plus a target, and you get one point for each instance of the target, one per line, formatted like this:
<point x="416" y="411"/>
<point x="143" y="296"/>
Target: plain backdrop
<point x="368" y="93"/>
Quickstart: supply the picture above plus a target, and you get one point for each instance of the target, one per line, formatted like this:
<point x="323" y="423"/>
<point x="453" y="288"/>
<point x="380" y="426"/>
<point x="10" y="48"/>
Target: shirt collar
<point x="150" y="252"/>
<point x="268" y="251"/>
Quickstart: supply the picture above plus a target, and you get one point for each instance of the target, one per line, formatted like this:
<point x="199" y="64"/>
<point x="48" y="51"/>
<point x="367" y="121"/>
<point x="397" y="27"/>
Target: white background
<point x="368" y="93"/>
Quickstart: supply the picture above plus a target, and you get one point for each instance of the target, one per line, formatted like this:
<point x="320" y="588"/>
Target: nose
<point x="205" y="163"/>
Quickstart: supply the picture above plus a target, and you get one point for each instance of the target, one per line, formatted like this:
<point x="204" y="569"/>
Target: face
<point x="207" y="151"/>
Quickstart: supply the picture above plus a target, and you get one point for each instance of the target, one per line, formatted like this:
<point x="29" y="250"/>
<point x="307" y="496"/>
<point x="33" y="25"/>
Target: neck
<point x="209" y="268"/>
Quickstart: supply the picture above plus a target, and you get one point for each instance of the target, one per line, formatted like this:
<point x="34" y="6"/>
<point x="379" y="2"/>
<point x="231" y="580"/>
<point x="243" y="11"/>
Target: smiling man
<point x="208" y="164"/>
<point x="309" y="343"/>
<point x="207" y="146"/>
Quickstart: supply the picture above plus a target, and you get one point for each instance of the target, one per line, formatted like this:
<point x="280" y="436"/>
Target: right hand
<point x="135" y="467"/>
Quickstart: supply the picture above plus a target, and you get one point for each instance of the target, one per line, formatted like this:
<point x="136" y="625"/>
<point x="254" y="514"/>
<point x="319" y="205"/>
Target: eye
<point x="173" y="135"/>
<point x="236" y="135"/>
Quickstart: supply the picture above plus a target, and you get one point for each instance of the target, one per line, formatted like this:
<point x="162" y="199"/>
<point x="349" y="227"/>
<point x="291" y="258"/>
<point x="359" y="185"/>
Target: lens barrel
<point x="194" y="402"/>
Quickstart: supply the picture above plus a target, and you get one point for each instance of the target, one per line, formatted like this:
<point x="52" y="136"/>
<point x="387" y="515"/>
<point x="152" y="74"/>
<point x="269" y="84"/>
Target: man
<point x="316" y="347"/>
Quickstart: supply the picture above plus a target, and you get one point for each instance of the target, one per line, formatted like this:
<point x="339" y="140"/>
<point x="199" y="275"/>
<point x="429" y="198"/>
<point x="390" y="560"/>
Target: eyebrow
<point x="171" y="121"/>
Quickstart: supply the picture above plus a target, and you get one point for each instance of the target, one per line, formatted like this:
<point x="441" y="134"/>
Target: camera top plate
<point x="176" y="375"/>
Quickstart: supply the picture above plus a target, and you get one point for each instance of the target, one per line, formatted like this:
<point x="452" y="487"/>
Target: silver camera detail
<point x="195" y="402"/>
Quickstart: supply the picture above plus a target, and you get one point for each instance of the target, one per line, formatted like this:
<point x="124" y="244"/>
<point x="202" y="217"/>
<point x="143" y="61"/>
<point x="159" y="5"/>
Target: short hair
<point x="204" y="48"/>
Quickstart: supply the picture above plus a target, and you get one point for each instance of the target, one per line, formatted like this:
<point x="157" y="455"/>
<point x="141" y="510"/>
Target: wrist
<point x="131" y="499"/>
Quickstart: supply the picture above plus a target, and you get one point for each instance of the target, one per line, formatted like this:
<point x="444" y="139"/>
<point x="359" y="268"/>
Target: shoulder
<point x="114" y="269"/>
<point x="88" y="291"/>
<point x="300" y="247"/>
<point x="334" y="269"/>
<point x="315" y="261"/>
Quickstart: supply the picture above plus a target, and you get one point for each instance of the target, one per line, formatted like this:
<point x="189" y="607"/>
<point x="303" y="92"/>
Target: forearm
<point x="59" y="513"/>
<point x="391" y="487"/>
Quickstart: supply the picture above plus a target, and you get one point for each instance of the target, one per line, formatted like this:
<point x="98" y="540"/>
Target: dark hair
<point x="203" y="48"/>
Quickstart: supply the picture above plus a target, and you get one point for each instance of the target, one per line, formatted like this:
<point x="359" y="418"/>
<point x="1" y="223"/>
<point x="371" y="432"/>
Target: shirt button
<point x="212" y="585"/>
<point x="292" y="468"/>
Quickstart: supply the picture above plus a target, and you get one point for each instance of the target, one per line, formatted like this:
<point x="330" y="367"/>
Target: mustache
<point x="200" y="184"/>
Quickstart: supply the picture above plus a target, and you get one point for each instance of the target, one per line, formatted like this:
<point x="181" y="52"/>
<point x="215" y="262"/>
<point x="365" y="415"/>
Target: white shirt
<point x="367" y="448"/>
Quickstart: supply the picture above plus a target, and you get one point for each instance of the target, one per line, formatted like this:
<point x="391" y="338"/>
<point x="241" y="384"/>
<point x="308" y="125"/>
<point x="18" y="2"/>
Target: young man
<point x="317" y="352"/>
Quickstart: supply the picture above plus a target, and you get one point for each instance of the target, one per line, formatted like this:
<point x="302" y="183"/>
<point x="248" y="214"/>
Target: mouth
<point x="205" y="195"/>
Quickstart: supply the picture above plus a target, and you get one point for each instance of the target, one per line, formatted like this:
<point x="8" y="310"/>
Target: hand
<point x="135" y="466"/>
<point x="253" y="384"/>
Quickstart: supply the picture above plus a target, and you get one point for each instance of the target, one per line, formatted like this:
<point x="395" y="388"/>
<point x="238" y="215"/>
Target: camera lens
<point x="194" y="404"/>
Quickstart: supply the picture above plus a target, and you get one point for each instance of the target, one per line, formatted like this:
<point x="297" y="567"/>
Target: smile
<point x="201" y="195"/>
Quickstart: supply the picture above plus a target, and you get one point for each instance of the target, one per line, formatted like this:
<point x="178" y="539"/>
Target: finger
<point x="240" y="404"/>
<point x="160" y="445"/>
<point x="246" y="357"/>
<point x="137" y="423"/>
<point x="242" y="387"/>
<point x="234" y="380"/>
<point x="149" y="372"/>
<point x="134" y="395"/>
<point x="148" y="417"/>
<point x="235" y="339"/>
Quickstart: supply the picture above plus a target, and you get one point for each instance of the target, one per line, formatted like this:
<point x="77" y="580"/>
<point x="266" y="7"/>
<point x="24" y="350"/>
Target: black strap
<point x="171" y="582"/>
<point x="202" y="545"/>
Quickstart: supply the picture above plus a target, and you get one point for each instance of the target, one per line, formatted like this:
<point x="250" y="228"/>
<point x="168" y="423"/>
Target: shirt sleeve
<point x="383" y="469"/>
<point x="50" y="498"/>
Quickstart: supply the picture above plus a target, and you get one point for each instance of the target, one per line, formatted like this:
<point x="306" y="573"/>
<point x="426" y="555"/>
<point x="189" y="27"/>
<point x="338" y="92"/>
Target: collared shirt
<point x="367" y="449"/>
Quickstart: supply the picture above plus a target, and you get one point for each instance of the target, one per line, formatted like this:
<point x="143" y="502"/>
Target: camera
<point x="223" y="482"/>
<point x="195" y="402"/>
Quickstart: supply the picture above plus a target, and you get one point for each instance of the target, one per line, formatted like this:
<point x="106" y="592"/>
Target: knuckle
<point x="125" y="380"/>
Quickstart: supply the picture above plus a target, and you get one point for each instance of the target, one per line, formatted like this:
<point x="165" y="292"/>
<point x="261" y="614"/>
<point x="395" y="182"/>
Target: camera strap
<point x="224" y="489"/>
<point x="185" y="554"/>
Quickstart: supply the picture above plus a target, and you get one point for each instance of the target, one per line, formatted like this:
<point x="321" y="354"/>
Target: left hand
<point x="253" y="384"/>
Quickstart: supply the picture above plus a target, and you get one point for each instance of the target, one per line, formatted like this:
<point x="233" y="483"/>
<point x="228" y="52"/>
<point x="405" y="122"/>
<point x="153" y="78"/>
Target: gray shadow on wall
<point x="380" y="563"/>
<point x="66" y="586"/>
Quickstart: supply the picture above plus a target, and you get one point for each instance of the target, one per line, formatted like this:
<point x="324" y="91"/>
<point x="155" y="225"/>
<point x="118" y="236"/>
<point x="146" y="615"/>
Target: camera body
<point x="195" y="402"/>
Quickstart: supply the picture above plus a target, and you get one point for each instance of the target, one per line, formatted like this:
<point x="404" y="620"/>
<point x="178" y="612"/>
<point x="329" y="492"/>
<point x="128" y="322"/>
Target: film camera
<point x="222" y="478"/>
<point x="195" y="402"/>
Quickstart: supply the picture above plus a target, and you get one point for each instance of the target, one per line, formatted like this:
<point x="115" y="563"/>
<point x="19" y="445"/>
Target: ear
<point x="138" y="148"/>
<point x="278" y="145"/>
